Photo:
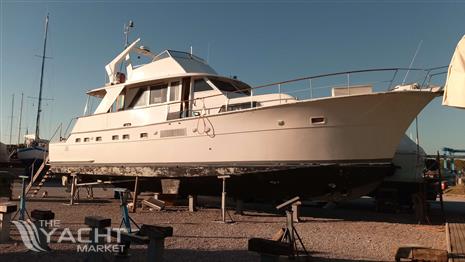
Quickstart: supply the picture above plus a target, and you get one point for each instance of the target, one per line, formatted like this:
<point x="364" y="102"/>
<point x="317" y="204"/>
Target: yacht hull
<point x="255" y="143"/>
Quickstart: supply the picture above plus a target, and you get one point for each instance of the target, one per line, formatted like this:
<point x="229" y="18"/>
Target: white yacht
<point x="175" y="119"/>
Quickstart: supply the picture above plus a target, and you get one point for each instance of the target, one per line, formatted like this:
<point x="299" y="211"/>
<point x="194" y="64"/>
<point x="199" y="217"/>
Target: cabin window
<point x="125" y="137"/>
<point x="115" y="137"/>
<point x="201" y="85"/>
<point x="229" y="87"/>
<point x="161" y="56"/>
<point x="99" y="138"/>
<point x="77" y="140"/>
<point x="175" y="89"/>
<point x="139" y="95"/>
<point x="318" y="120"/>
<point x="86" y="139"/>
<point x="120" y="102"/>
<point x="158" y="94"/>
<point x="240" y="106"/>
<point x="144" y="135"/>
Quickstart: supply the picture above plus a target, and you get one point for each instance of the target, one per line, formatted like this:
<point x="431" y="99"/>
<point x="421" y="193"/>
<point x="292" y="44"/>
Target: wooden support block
<point x="421" y="254"/>
<point x="269" y="247"/>
<point x="154" y="203"/>
<point x="41" y="220"/>
<point x="152" y="236"/>
<point x="157" y="235"/>
<point x="99" y="231"/>
<point x="97" y="221"/>
<point x="5" y="219"/>
<point x="153" y="231"/>
<point x="39" y="214"/>
<point x="8" y="207"/>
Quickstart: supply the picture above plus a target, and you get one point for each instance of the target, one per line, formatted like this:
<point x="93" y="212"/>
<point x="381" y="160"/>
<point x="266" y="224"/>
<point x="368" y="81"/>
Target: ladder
<point x="36" y="189"/>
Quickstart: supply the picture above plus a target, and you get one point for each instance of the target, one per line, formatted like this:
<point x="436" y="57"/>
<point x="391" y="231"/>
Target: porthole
<point x="318" y="120"/>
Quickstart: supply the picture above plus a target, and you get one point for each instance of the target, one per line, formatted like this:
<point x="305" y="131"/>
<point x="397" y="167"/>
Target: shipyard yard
<point x="352" y="231"/>
<point x="291" y="131"/>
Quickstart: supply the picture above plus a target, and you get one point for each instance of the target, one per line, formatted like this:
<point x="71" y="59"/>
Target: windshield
<point x="230" y="86"/>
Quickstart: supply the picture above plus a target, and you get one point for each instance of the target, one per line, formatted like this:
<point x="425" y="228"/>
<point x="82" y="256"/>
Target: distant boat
<point x="36" y="149"/>
<point x="177" y="122"/>
<point x="34" y="152"/>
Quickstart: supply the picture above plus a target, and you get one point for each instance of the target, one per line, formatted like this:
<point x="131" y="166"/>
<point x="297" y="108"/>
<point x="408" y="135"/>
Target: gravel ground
<point x="349" y="232"/>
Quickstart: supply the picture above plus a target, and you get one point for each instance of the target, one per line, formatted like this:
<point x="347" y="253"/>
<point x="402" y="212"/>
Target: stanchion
<point x="224" y="211"/>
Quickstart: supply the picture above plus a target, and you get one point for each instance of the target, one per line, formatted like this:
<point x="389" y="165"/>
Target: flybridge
<point x="166" y="64"/>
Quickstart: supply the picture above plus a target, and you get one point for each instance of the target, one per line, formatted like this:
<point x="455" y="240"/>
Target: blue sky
<point x="259" y="41"/>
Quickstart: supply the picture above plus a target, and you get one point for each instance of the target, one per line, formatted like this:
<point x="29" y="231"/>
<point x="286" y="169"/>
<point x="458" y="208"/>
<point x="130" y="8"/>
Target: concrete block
<point x="97" y="221"/>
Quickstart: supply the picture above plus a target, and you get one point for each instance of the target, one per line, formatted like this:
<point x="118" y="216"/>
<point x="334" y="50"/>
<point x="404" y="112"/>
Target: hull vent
<point x="173" y="132"/>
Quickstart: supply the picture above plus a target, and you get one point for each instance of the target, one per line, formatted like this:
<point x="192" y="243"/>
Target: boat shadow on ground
<point x="65" y="200"/>
<point x="139" y="254"/>
<point x="363" y="210"/>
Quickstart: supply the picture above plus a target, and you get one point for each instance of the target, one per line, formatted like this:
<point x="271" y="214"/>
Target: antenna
<point x="413" y="59"/>
<point x="127" y="28"/>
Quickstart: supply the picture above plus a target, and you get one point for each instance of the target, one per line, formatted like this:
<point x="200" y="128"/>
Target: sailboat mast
<point x="39" y="105"/>
<point x="20" y="118"/>
<point x="12" y="111"/>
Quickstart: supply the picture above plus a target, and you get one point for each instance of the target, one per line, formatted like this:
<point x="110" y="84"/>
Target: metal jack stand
<point x="290" y="235"/>
<point x="22" y="204"/>
<point x="224" y="211"/>
<point x="126" y="219"/>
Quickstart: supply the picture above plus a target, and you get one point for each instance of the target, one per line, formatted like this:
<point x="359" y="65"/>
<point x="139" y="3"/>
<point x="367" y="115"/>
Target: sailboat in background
<point x="36" y="149"/>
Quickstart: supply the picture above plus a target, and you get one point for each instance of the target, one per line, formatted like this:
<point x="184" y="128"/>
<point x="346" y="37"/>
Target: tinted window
<point x="238" y="87"/>
<point x="224" y="86"/>
<point x="140" y="97"/>
<point x="174" y="91"/>
<point x="201" y="85"/>
<point x="158" y="94"/>
<point x="161" y="56"/>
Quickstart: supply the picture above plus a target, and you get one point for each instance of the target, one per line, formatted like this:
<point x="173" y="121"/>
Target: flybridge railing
<point x="423" y="77"/>
<point x="350" y="79"/>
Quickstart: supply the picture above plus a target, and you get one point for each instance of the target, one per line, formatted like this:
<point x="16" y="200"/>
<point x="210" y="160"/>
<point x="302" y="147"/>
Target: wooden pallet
<point x="455" y="236"/>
